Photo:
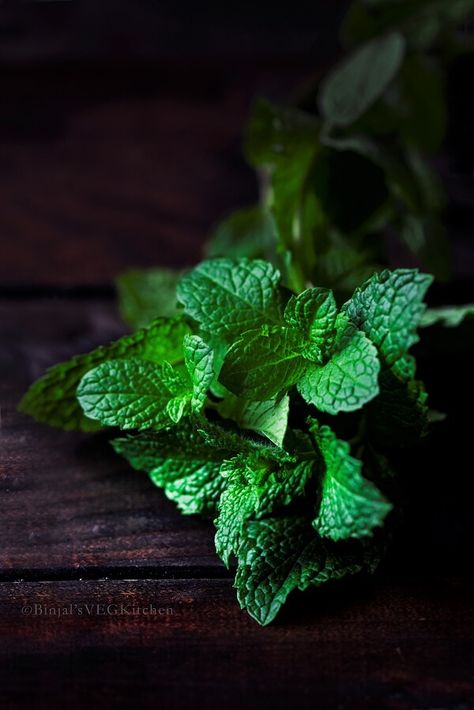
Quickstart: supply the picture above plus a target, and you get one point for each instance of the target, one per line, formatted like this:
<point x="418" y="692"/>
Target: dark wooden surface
<point x="199" y="650"/>
<point x="121" y="123"/>
<point x="120" y="127"/>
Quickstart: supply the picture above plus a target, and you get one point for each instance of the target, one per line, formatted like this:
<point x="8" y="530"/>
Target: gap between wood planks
<point x="115" y="573"/>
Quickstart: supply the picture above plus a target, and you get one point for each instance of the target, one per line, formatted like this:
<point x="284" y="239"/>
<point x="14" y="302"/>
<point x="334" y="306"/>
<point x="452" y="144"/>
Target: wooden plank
<point x="92" y="185"/>
<point x="121" y="127"/>
<point x="394" y="644"/>
<point x="67" y="501"/>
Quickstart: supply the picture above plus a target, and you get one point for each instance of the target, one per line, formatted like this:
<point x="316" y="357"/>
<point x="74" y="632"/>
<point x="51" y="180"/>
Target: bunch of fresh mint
<point x="347" y="168"/>
<point x="274" y="413"/>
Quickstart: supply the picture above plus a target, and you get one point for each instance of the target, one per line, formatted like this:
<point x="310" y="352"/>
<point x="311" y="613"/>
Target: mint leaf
<point x="389" y="307"/>
<point x="228" y="297"/>
<point x="355" y="84"/>
<point x="334" y="365"/>
<point x="145" y="294"/>
<point x="135" y="394"/>
<point x="350" y="505"/>
<point x="256" y="486"/>
<point x="268" y="418"/>
<point x="314" y="313"/>
<point x="52" y="398"/>
<point x="199" y="359"/>
<point x="263" y="363"/>
<point x="449" y="316"/>
<point x="279" y="555"/>
<point x="348" y="380"/>
<point x="180" y="462"/>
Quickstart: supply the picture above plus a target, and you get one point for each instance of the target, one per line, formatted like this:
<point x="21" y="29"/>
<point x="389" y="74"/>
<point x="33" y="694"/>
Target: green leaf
<point x="180" y="462"/>
<point x="199" y="359"/>
<point x="389" y="307"/>
<point x="348" y="380"/>
<point x="449" y="316"/>
<point x="278" y="555"/>
<point x="268" y="418"/>
<point x="135" y="394"/>
<point x="52" y="399"/>
<point x="249" y="232"/>
<point x="314" y="313"/>
<point x="354" y="85"/>
<point x="263" y="363"/>
<point x="228" y="297"/>
<point x="351" y="506"/>
<point x="257" y="485"/>
<point x="145" y="294"/>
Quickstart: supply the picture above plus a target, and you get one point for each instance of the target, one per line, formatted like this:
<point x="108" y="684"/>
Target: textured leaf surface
<point x="134" y="394"/>
<point x="257" y="485"/>
<point x="228" y="297"/>
<point x="268" y="418"/>
<point x="180" y="462"/>
<point x="278" y="555"/>
<point x="353" y="86"/>
<point x="263" y="363"/>
<point x="199" y="359"/>
<point x="314" y="313"/>
<point x="348" y="380"/>
<point x="350" y="505"/>
<point x="52" y="398"/>
<point x="389" y="307"/>
<point x="145" y="294"/>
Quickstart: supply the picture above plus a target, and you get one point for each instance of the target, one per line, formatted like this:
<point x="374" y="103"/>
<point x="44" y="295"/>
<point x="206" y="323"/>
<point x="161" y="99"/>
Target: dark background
<point x="120" y="146"/>
<point x="121" y="123"/>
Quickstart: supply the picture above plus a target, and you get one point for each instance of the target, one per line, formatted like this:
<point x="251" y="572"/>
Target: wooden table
<point x="107" y="595"/>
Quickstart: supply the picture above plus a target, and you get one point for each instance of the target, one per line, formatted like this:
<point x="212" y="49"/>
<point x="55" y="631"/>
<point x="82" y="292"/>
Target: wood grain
<point x="91" y="186"/>
<point x="395" y="645"/>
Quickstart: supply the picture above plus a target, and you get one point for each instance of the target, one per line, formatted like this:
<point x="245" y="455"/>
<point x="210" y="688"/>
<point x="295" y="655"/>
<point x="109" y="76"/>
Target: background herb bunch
<point x="348" y="167"/>
<point x="273" y="412"/>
